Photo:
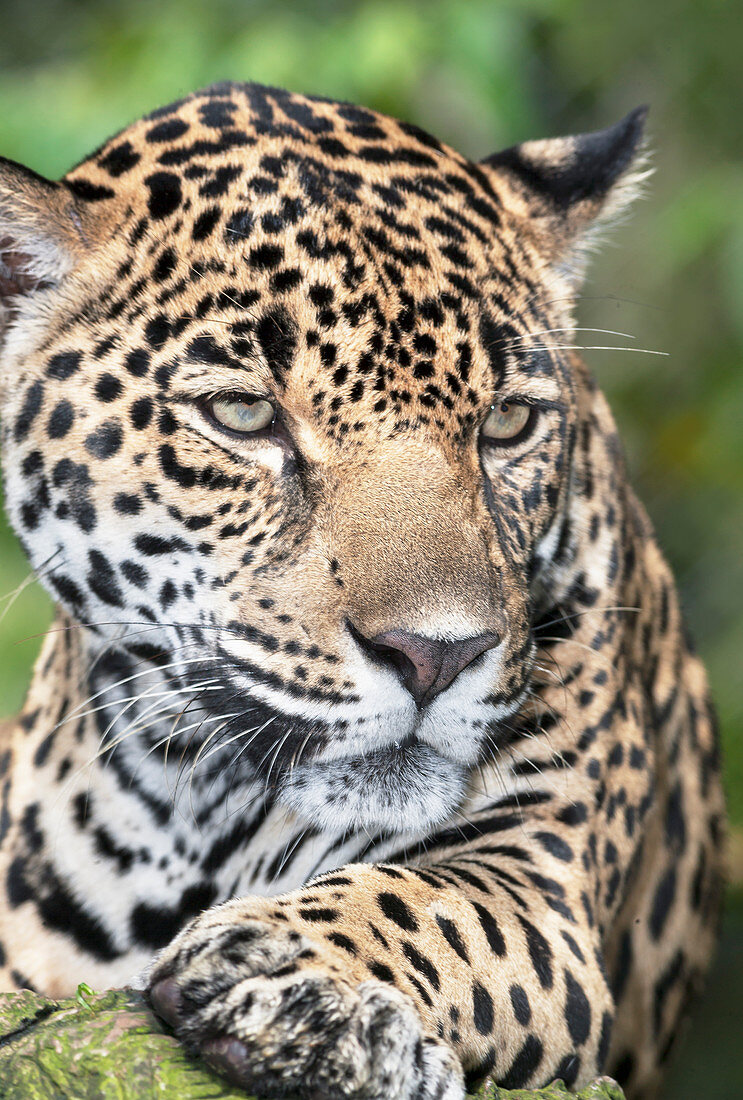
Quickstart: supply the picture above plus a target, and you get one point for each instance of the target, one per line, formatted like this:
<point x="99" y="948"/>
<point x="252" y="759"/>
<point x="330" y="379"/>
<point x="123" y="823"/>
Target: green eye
<point x="508" y="423"/>
<point x="241" y="413"/>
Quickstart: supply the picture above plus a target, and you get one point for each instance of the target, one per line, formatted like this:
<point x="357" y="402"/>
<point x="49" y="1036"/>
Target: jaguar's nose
<point x="426" y="666"/>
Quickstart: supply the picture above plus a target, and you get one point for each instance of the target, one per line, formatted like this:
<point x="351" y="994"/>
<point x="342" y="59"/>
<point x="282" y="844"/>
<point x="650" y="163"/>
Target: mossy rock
<point x="110" y="1046"/>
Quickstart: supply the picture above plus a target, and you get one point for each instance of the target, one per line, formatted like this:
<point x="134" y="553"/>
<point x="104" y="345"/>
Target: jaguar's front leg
<point x="281" y="1004"/>
<point x="399" y="982"/>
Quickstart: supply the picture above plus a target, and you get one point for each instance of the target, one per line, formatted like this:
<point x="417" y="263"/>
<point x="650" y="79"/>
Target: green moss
<point x="110" y="1046"/>
<point x="106" y="1046"/>
<point x="603" y="1088"/>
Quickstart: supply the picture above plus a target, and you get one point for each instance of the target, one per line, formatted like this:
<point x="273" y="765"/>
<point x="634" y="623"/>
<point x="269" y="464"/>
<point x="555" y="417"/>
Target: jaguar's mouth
<point x="402" y="787"/>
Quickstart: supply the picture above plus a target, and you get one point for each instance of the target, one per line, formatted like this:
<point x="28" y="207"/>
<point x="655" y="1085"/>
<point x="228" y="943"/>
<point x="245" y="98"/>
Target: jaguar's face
<point x="303" y="433"/>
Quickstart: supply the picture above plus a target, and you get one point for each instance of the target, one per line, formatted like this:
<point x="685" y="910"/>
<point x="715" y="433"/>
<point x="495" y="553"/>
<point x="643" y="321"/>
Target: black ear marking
<point x="569" y="170"/>
<point x="566" y="191"/>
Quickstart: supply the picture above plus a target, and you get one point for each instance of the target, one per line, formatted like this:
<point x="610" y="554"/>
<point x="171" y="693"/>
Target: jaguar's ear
<point x="43" y="234"/>
<point x="569" y="188"/>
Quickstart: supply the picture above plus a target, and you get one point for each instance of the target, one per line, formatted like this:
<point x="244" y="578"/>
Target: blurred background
<point x="482" y="74"/>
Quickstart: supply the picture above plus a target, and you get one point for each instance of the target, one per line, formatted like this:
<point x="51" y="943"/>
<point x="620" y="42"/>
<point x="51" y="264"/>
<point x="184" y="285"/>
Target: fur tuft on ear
<point x="571" y="188"/>
<point x="42" y="234"/>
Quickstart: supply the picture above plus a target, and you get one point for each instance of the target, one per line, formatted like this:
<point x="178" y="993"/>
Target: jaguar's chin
<point x="397" y="789"/>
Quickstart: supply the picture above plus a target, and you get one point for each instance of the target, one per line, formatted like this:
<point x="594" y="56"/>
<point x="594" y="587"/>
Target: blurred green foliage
<point x="482" y="74"/>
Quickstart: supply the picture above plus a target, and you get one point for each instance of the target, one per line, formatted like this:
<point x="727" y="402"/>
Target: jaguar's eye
<point x="241" y="412"/>
<point x="508" y="423"/>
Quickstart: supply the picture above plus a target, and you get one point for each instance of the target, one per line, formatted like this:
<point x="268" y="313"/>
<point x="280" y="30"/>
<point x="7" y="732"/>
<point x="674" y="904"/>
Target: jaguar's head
<point x="287" y="411"/>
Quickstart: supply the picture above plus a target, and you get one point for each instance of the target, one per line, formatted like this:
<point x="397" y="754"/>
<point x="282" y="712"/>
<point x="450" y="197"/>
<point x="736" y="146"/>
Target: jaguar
<point x="367" y="738"/>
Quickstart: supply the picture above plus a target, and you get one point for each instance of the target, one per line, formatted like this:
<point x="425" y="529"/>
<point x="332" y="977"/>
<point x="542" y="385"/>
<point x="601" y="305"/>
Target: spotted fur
<point x="415" y="707"/>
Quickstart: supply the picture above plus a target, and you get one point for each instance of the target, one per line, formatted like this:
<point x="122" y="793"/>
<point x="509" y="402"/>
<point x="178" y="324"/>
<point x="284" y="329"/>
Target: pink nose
<point x="426" y="666"/>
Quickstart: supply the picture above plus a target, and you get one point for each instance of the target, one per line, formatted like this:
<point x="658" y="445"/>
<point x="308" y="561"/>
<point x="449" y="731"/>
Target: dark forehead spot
<point x="262" y="185"/>
<point x="321" y="295"/>
<point x="157" y="331"/>
<point x="122" y="158"/>
<point x="239" y="226"/>
<point x="237" y="299"/>
<point x="89" y="191"/>
<point x="430" y="310"/>
<point x="183" y="154"/>
<point x="303" y="112"/>
<point x="169" y="130"/>
<point x="352" y="113"/>
<point x="165" y="112"/>
<point x="286" y="279"/>
<point x="217" y="186"/>
<point x="205" y="349"/>
<point x="420" y="135"/>
<point x="217" y="113"/>
<point x="492" y="339"/>
<point x="165" y="265"/>
<point x="165" y="194"/>
<point x="205" y="223"/>
<point x="276" y="334"/>
<point x="274" y="166"/>
<point x="266" y="256"/>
